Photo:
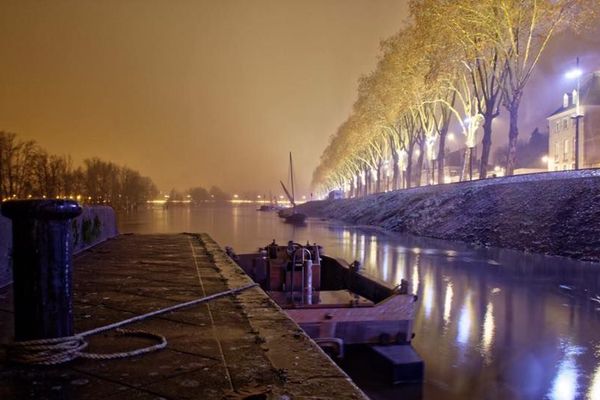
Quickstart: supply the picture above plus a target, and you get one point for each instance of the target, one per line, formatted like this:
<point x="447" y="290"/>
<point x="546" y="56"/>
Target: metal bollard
<point x="42" y="266"/>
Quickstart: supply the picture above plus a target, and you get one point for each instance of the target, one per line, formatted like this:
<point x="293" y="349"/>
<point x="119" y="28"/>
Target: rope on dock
<point x="63" y="349"/>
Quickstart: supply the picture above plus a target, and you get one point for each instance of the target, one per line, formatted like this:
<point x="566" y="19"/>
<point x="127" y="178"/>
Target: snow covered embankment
<point x="554" y="213"/>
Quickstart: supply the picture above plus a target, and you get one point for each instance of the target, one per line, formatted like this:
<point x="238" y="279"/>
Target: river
<point x="491" y="323"/>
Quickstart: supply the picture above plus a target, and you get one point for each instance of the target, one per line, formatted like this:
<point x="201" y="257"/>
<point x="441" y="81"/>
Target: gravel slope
<point x="554" y="213"/>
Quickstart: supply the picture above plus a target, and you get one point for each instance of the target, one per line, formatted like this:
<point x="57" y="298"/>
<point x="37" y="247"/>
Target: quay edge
<point x="236" y="345"/>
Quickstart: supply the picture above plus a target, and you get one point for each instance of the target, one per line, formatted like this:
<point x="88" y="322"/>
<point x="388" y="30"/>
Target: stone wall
<point x="95" y="224"/>
<point x="5" y="246"/>
<point x="554" y="213"/>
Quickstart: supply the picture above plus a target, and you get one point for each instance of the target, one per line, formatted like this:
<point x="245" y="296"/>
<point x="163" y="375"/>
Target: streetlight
<point x="576" y="74"/>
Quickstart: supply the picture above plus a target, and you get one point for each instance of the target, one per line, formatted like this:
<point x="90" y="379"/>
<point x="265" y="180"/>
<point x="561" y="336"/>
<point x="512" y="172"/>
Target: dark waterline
<point x="491" y="323"/>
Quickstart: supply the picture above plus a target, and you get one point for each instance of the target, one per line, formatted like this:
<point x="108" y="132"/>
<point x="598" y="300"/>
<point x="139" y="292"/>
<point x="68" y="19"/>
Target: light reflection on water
<point x="491" y="323"/>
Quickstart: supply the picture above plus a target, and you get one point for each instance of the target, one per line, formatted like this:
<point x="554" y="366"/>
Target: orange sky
<point x="189" y="92"/>
<point x="205" y="92"/>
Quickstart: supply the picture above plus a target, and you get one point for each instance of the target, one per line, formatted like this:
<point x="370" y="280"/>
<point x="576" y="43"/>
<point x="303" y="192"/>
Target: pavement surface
<point x="235" y="347"/>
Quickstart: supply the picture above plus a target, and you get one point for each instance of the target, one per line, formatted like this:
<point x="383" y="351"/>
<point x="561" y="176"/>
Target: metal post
<point x="42" y="266"/>
<point x="308" y="280"/>
<point x="577" y="117"/>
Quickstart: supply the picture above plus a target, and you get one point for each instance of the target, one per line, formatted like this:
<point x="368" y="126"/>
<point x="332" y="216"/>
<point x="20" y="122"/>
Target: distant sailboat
<point x="291" y="216"/>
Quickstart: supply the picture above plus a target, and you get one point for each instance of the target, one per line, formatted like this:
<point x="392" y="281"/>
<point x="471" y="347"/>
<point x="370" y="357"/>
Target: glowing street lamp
<point x="545" y="159"/>
<point x="574" y="73"/>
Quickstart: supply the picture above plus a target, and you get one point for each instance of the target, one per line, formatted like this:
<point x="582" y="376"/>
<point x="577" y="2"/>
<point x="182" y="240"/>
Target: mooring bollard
<point x="42" y="266"/>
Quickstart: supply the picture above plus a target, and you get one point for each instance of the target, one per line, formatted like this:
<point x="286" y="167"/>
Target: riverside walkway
<point x="234" y="347"/>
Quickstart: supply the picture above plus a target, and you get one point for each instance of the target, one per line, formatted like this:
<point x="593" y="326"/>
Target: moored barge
<point x="339" y="307"/>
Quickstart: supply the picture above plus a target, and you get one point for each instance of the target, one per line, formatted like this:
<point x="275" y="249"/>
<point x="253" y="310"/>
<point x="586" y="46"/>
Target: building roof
<point x="590" y="93"/>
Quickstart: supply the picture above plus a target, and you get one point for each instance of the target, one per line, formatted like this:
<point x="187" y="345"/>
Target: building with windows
<point x="563" y="126"/>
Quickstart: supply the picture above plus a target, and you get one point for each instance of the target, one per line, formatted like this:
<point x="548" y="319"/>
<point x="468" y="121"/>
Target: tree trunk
<point x="396" y="175"/>
<point x="396" y="171"/>
<point x="420" y="163"/>
<point x="378" y="184"/>
<point x="408" y="175"/>
<point x="486" y="145"/>
<point x="367" y="181"/>
<point x="441" y="155"/>
<point x="351" y="188"/>
<point x="358" y="185"/>
<point x="513" y="136"/>
<point x="465" y="167"/>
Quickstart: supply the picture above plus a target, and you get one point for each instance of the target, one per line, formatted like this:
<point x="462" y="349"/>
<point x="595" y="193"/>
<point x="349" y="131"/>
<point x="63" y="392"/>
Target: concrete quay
<point x="234" y="347"/>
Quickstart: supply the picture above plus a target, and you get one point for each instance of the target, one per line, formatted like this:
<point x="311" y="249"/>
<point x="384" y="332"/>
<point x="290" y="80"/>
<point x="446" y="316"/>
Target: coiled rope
<point x="63" y="349"/>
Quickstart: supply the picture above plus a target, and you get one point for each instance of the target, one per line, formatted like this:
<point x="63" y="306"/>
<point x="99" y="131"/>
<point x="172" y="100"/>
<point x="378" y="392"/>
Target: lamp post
<point x="576" y="74"/>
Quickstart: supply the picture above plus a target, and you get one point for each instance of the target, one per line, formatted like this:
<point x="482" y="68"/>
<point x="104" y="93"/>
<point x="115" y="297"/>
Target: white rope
<point x="60" y="350"/>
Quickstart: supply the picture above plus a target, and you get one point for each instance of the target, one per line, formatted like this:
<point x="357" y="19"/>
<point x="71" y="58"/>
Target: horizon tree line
<point x="29" y="171"/>
<point x="457" y="62"/>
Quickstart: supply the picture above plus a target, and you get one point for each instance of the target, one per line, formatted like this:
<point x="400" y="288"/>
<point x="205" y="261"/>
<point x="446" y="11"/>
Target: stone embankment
<point x="239" y="346"/>
<point x="554" y="213"/>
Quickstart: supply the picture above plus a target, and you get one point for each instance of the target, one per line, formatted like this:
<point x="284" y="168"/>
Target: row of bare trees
<point x="27" y="170"/>
<point x="457" y="62"/>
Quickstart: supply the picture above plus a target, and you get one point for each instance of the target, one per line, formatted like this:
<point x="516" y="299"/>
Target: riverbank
<point x="554" y="213"/>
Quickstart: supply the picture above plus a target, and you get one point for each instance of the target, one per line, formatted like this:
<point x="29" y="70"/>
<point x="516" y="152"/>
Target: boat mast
<point x="292" y="178"/>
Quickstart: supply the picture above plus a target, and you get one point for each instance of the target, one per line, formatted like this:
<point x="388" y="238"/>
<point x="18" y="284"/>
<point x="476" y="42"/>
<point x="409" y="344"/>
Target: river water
<point x="491" y="323"/>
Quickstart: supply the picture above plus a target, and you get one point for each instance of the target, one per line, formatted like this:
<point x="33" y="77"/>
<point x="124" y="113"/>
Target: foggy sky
<point x="189" y="92"/>
<point x="212" y="92"/>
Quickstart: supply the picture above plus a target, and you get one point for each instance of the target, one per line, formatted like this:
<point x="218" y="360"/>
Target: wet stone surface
<point x="231" y="348"/>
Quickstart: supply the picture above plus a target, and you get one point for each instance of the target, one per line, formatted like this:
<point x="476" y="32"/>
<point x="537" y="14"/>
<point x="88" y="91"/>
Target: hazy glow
<point x="574" y="73"/>
<point x="193" y="93"/>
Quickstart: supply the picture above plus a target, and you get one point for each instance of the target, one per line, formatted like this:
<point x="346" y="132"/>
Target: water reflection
<point x="490" y="321"/>
<point x="487" y="336"/>
<point x="448" y="303"/>
<point x="565" y="385"/>
<point x="465" y="320"/>
<point x="594" y="391"/>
